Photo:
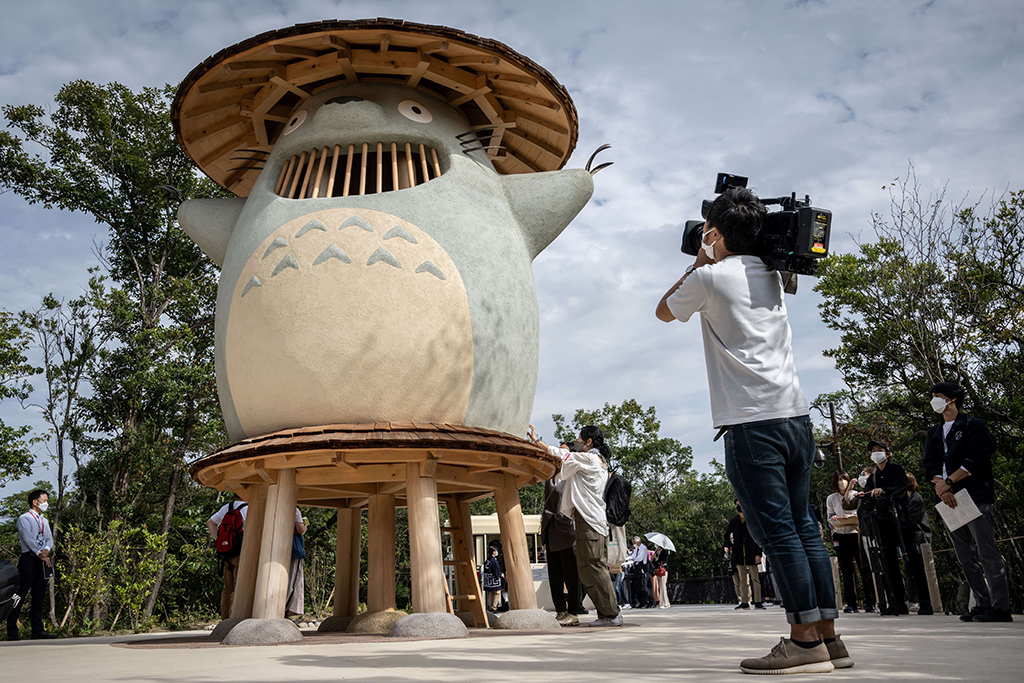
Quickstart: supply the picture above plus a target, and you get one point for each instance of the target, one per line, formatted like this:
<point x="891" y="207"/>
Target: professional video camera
<point x="791" y="240"/>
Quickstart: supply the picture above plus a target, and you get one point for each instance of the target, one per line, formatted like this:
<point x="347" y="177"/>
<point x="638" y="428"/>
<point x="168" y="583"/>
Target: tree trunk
<point x="165" y="527"/>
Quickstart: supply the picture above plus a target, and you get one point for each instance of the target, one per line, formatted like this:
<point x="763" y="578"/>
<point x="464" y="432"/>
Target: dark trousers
<point x="851" y="563"/>
<point x="30" y="575"/>
<point x="564" y="578"/>
<point x="915" y="574"/>
<point x="977" y="549"/>
<point x="641" y="586"/>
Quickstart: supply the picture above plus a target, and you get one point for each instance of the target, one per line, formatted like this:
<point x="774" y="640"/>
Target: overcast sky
<point x="831" y="99"/>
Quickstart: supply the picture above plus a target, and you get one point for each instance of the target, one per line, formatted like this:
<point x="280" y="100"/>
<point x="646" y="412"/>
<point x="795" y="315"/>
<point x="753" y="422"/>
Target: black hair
<point x="738" y="214"/>
<point x="34" y="496"/>
<point x="836" y="476"/>
<point x="596" y="436"/>
<point x="950" y="390"/>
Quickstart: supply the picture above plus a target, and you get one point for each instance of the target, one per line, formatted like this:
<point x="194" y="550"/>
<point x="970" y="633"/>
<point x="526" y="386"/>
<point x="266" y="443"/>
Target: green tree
<point x="15" y="457"/>
<point x="110" y="152"/>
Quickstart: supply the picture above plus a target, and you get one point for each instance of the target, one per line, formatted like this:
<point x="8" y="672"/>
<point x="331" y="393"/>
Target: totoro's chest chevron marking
<point x="366" y="239"/>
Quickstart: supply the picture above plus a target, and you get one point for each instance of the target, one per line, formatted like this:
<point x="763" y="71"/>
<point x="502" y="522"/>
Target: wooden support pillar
<point x="276" y="548"/>
<point x="518" y="572"/>
<point x="836" y="582"/>
<point x="249" y="559"/>
<point x="424" y="541"/>
<point x="380" y="590"/>
<point x="346" y="568"/>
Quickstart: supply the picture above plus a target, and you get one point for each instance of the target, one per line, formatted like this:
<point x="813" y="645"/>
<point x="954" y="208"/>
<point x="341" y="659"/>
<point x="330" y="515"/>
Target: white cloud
<point x="824" y="98"/>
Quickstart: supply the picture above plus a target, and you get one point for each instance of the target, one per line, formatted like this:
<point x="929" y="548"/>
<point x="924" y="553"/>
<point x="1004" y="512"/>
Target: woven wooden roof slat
<point x="525" y="117"/>
<point x="251" y="66"/>
<point x="228" y="107"/>
<point x="540" y="146"/>
<point x="505" y="94"/>
<point x="425" y="426"/>
<point x="238" y="84"/>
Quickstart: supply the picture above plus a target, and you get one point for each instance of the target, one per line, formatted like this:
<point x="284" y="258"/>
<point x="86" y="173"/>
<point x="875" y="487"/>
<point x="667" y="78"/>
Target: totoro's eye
<point x="296" y="121"/>
<point x="414" y="111"/>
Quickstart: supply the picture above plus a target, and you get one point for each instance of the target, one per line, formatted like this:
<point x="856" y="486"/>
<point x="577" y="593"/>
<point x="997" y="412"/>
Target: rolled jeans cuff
<point x="812" y="615"/>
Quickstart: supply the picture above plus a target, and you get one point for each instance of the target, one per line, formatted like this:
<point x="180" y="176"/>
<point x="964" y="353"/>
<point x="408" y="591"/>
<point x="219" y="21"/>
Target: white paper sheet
<point x="964" y="512"/>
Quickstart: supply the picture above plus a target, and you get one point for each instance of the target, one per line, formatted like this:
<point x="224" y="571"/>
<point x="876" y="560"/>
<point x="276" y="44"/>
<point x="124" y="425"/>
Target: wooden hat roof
<point x="234" y="105"/>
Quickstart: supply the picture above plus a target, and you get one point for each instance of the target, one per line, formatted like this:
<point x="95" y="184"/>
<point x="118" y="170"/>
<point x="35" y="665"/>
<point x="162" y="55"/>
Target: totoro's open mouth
<point x="364" y="169"/>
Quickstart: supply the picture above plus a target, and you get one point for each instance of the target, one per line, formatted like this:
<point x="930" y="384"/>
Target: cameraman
<point x="757" y="402"/>
<point x="887" y="486"/>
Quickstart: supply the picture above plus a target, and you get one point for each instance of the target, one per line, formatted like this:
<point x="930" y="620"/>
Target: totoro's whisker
<point x="350" y="169"/>
<point x="477" y="149"/>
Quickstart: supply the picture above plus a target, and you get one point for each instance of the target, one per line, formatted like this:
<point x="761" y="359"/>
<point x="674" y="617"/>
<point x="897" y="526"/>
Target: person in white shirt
<point x="585" y="474"/>
<point x="227" y="593"/>
<point x="34" y="566"/>
<point x="756" y="401"/>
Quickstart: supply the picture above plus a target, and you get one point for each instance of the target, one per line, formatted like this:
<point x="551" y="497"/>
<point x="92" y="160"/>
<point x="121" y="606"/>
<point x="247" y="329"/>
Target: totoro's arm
<point x="209" y="222"/>
<point x="545" y="203"/>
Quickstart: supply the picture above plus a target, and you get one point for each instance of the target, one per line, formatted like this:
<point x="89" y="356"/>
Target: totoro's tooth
<point x="253" y="282"/>
<point x="312" y="225"/>
<point x="399" y="231"/>
<point x="384" y="255"/>
<point x="332" y="251"/>
<point x="287" y="262"/>
<point x="356" y="220"/>
<point x="428" y="267"/>
<point x="276" y="244"/>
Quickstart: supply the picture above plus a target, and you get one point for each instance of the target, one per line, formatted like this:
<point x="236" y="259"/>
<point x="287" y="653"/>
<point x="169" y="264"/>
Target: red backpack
<point x="229" y="533"/>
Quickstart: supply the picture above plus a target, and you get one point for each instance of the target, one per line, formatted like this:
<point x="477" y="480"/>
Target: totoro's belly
<point x="347" y="316"/>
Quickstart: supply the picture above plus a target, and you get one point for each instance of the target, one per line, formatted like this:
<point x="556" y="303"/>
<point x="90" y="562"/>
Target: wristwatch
<point x="949" y="482"/>
<point x="689" y="269"/>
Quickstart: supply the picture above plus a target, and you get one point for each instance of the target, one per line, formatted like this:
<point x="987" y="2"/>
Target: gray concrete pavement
<point x="684" y="643"/>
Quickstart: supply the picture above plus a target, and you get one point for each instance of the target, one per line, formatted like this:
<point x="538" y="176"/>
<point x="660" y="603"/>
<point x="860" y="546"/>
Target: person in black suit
<point x="958" y="457"/>
<point x="887" y="488"/>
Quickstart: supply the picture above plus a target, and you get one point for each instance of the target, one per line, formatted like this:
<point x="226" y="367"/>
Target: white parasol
<point x="660" y="540"/>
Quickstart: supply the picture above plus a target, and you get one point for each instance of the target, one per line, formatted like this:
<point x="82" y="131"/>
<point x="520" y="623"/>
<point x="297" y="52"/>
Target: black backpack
<point x="9" y="582"/>
<point x="617" y="493"/>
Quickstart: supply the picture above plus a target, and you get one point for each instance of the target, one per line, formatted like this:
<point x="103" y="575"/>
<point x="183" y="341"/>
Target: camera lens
<point x="693" y="233"/>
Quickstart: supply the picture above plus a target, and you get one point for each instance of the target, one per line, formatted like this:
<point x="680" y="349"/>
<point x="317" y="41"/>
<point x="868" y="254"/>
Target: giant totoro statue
<point x="395" y="182"/>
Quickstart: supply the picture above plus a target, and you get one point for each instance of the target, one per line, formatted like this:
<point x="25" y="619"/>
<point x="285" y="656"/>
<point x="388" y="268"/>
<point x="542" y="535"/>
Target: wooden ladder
<point x="466" y="583"/>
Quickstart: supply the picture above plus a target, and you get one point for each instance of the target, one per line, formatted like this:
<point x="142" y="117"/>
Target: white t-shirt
<point x="218" y="516"/>
<point x="747" y="340"/>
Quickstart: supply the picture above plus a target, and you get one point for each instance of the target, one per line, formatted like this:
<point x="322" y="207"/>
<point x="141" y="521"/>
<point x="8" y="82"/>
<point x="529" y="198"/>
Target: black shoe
<point x="849" y="610"/>
<point x="42" y="636"/>
<point x="758" y="605"/>
<point x="974" y="613"/>
<point x="11" y="639"/>
<point x="869" y="608"/>
<point x="995" y="614"/>
<point x="903" y="609"/>
<point x="583" y="610"/>
<point x="925" y="609"/>
<point x="742" y="605"/>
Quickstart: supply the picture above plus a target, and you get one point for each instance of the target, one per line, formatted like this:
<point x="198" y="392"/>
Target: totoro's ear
<point x="210" y="222"/>
<point x="545" y="203"/>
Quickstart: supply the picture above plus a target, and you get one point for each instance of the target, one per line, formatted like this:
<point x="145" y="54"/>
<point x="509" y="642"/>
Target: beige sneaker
<point x="566" y="619"/>
<point x="787" y="658"/>
<point x="837" y="652"/>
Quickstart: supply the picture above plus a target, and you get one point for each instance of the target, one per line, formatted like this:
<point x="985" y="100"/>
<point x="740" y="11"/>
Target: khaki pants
<point x="227" y="594"/>
<point x="745" y="576"/>
<point x="592" y="563"/>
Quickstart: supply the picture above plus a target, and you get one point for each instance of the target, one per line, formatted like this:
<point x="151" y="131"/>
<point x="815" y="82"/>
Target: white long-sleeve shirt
<point x="585" y="476"/>
<point x="34" y="533"/>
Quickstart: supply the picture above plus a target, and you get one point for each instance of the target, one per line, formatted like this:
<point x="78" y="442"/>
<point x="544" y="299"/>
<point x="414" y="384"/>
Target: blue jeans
<point x="620" y="591"/>
<point x="769" y="466"/>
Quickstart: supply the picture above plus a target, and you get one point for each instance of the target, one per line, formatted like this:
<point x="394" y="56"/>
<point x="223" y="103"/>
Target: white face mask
<point x="939" y="404"/>
<point x="862" y="480"/>
<point x="43" y="506"/>
<point x="878" y="457"/>
<point x="709" y="249"/>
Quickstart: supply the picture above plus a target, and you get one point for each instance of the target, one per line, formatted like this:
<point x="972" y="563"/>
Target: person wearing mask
<point x="916" y="531"/>
<point x="841" y="506"/>
<point x="759" y="407"/>
<point x="640" y="583"/>
<point x="887" y="487"/>
<point x="746" y="556"/>
<point x="558" y="534"/>
<point x="35" y="565"/>
<point x="585" y="474"/>
<point x="958" y="457"/>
